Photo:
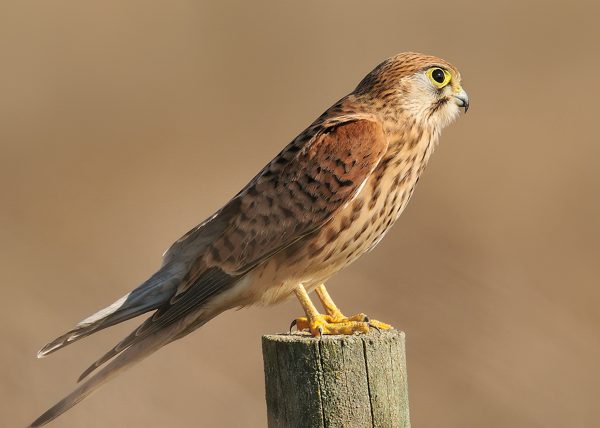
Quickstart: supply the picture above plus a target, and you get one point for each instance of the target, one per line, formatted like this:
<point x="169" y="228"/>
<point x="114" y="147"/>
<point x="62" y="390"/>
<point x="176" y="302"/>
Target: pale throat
<point x="408" y="137"/>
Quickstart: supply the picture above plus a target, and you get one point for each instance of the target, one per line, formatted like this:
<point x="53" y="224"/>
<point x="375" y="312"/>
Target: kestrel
<point x="329" y="197"/>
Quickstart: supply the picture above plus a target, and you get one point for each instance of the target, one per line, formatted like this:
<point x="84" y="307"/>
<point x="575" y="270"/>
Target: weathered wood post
<point x="336" y="381"/>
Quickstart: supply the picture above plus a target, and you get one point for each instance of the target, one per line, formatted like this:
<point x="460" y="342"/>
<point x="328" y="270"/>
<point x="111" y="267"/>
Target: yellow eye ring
<point x="438" y="76"/>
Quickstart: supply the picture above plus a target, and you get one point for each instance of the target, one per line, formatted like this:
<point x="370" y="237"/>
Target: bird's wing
<point x="158" y="289"/>
<point x="299" y="191"/>
<point x="150" y="295"/>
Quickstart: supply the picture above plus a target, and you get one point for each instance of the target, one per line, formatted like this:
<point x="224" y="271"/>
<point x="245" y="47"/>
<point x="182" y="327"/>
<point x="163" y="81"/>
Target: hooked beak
<point x="462" y="99"/>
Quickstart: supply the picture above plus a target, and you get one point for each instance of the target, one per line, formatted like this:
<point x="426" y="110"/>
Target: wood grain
<point x="336" y="381"/>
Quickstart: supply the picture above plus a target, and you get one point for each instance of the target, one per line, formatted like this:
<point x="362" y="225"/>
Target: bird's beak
<point x="462" y="99"/>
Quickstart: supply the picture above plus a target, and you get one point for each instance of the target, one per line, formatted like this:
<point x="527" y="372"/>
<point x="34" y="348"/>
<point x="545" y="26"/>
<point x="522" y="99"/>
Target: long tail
<point x="175" y="317"/>
<point x="158" y="289"/>
<point x="130" y="356"/>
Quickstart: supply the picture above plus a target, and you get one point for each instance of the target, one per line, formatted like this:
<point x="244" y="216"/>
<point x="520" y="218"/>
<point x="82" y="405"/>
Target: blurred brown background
<point x="124" y="123"/>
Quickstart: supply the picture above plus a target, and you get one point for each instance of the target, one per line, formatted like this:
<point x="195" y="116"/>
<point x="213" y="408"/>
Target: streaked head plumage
<point x="424" y="86"/>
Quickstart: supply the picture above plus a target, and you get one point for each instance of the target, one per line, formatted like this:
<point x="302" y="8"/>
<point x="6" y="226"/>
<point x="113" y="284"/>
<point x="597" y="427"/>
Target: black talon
<point x="367" y="319"/>
<point x="292" y="325"/>
<point x="375" y="327"/>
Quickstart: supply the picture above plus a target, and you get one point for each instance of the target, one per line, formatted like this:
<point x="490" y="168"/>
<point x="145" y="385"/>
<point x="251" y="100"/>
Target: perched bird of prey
<point x="327" y="198"/>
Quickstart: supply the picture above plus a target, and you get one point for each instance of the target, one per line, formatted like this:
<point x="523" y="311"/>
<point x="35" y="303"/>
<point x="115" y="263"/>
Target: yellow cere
<point x="438" y="76"/>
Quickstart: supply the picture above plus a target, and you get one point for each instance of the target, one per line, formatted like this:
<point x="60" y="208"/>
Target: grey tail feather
<point x="214" y="280"/>
<point x="116" y="350"/>
<point x="130" y="339"/>
<point x="159" y="288"/>
<point x="130" y="356"/>
<point x="143" y="341"/>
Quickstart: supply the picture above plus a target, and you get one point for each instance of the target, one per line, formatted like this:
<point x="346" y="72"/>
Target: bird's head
<point x="425" y="87"/>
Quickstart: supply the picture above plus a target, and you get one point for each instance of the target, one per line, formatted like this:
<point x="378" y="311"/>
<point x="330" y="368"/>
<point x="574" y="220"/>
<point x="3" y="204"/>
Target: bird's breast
<point x="359" y="226"/>
<point x="354" y="230"/>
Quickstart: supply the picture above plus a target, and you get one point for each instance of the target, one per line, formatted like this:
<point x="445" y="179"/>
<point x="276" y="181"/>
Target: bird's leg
<point x="333" y="322"/>
<point x="319" y="324"/>
<point x="336" y="315"/>
<point x="309" y="308"/>
<point x="332" y="310"/>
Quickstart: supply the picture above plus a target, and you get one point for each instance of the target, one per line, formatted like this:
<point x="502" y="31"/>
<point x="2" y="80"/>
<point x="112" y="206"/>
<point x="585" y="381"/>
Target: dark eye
<point x="438" y="75"/>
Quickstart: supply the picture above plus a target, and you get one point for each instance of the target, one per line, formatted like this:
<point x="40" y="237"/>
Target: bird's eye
<point x="438" y="76"/>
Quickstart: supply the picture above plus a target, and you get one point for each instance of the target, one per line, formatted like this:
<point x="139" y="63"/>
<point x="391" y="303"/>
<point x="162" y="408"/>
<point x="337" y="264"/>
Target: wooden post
<point x="336" y="381"/>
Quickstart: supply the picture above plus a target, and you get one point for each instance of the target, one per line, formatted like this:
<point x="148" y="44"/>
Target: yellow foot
<point x="338" y="324"/>
<point x="379" y="325"/>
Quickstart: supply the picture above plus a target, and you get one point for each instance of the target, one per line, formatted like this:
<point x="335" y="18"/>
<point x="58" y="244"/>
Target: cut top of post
<point x="336" y="381"/>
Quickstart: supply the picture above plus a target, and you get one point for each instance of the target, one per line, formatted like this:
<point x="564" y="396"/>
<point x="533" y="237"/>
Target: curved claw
<point x="320" y="330"/>
<point x="292" y="325"/>
<point x="374" y="326"/>
<point x="379" y="326"/>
